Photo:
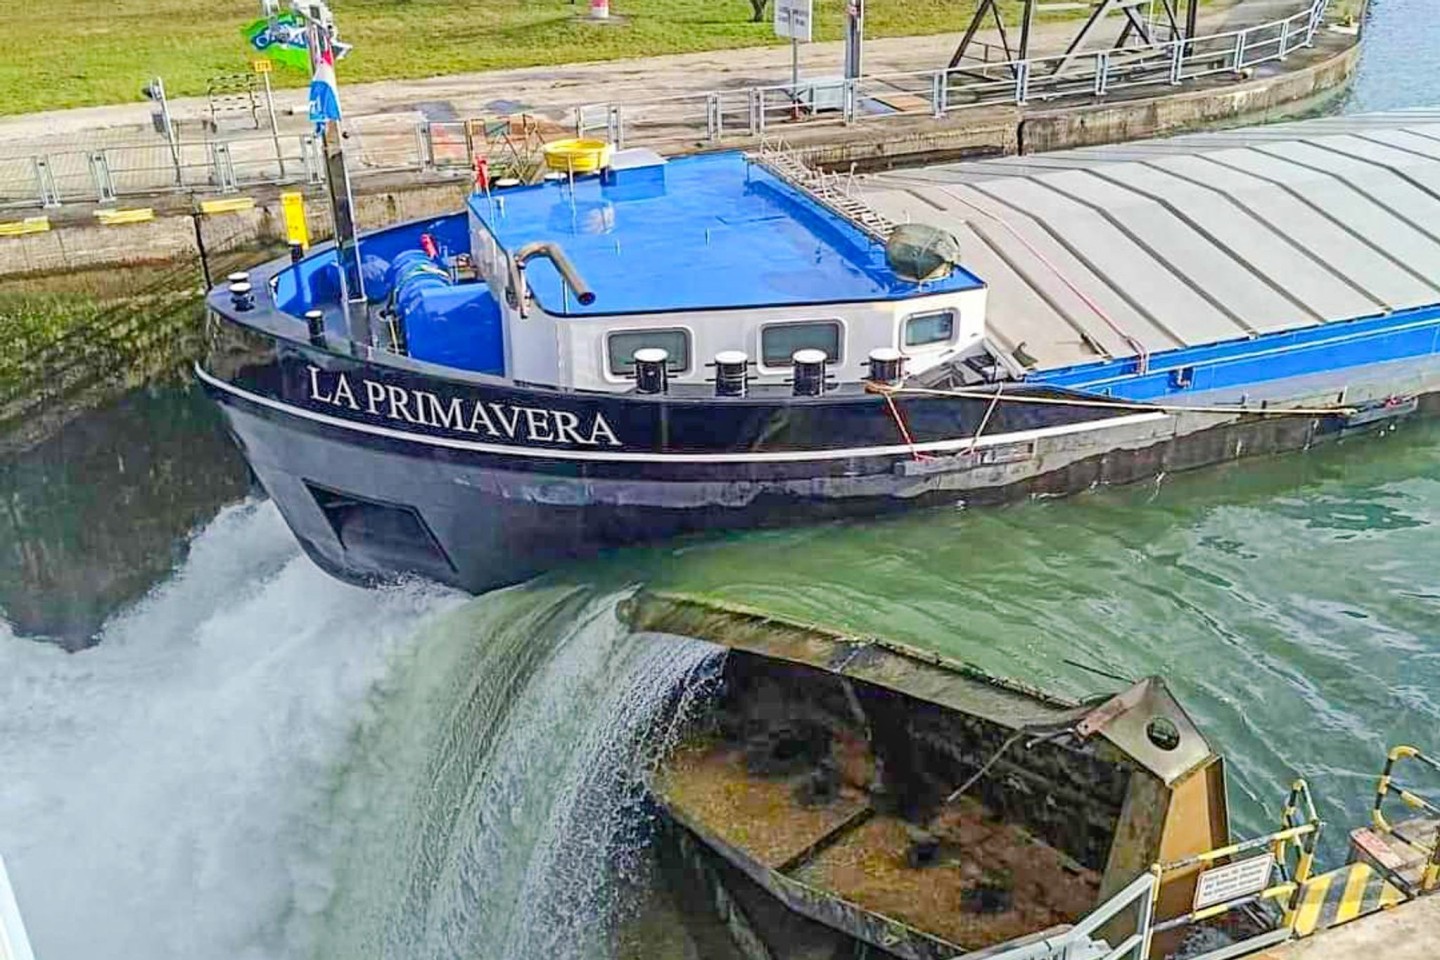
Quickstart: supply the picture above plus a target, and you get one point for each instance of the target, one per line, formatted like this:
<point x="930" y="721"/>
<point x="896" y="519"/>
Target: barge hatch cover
<point x="1098" y="252"/>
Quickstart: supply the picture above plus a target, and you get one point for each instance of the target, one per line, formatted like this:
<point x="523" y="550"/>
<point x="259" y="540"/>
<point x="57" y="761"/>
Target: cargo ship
<point x="638" y="347"/>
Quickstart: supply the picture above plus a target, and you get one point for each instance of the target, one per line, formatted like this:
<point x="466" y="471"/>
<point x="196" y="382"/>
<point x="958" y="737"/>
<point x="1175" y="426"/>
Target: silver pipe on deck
<point x="518" y="293"/>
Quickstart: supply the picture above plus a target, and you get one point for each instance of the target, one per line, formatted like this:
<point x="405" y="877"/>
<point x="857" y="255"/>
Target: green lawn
<point x="72" y="53"/>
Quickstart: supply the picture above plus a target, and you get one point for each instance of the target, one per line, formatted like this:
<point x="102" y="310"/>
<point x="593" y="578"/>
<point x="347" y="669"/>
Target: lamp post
<point x="854" y="38"/>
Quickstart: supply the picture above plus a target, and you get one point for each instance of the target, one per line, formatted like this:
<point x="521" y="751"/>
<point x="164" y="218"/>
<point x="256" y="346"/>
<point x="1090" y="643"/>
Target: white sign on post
<point x="1233" y="881"/>
<point x="793" y="19"/>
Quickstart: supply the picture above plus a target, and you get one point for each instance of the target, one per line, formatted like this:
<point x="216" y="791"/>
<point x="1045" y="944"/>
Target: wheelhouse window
<point x="925" y="329"/>
<point x="779" y="341"/>
<point x="621" y="347"/>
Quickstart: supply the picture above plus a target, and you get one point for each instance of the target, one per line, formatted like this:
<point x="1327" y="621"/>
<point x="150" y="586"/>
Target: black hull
<point x="382" y="467"/>
<point x="483" y="521"/>
<point x="480" y="523"/>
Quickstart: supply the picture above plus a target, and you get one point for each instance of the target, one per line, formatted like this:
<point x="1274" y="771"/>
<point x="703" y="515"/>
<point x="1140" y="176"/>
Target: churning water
<point x="258" y="762"/>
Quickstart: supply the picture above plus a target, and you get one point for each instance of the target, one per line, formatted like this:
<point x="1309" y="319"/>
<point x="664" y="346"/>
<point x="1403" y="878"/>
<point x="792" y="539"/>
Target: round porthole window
<point x="1163" y="733"/>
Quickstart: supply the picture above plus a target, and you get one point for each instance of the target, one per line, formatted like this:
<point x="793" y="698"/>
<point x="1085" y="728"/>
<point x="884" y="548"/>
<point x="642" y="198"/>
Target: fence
<point x="1132" y="910"/>
<point x="753" y="111"/>
<point x="107" y="173"/>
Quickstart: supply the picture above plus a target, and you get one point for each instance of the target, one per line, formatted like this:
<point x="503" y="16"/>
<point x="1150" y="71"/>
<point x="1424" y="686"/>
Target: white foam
<point x="159" y="794"/>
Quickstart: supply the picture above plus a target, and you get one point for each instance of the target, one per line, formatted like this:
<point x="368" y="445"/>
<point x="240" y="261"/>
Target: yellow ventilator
<point x="292" y="208"/>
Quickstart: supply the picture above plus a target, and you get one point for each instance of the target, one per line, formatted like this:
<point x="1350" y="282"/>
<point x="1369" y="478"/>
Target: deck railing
<point x="97" y="171"/>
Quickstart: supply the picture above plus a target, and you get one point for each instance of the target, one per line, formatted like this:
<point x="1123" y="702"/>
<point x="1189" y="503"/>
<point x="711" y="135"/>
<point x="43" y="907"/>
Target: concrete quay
<point x="1410" y="931"/>
<point x="73" y="239"/>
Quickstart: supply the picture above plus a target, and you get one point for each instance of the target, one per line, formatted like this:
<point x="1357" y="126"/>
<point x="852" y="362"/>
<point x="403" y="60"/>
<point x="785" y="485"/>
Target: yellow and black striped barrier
<point x="1281" y="891"/>
<point x="1430" y="876"/>
<point x="1304" y="834"/>
<point x="1339" y="896"/>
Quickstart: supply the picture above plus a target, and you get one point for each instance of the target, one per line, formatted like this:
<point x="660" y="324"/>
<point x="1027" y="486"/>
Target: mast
<point x="320" y="41"/>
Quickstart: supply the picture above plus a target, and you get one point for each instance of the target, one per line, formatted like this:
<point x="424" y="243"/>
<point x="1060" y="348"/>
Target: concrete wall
<point x="78" y="241"/>
<point x="1272" y="97"/>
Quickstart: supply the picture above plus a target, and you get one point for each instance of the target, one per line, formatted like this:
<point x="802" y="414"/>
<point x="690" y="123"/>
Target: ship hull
<point x="372" y="496"/>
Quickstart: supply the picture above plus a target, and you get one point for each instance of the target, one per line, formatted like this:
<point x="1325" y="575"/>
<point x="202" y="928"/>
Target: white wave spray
<point x="497" y="806"/>
<point x="258" y="762"/>
<point x="156" y="791"/>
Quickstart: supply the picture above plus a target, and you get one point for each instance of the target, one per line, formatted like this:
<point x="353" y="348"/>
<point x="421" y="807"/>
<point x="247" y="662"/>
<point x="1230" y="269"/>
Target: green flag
<point x="281" y="39"/>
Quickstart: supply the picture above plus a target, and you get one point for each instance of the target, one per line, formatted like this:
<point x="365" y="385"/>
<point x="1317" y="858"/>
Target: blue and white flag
<point x="324" y="96"/>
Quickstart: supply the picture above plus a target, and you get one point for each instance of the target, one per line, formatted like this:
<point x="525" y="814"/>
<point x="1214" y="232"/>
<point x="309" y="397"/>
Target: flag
<point x="281" y="38"/>
<point x="324" y="96"/>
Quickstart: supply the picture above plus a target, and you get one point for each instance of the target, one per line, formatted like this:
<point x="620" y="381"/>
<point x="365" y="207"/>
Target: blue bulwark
<point x="701" y="232"/>
<point x="1236" y="364"/>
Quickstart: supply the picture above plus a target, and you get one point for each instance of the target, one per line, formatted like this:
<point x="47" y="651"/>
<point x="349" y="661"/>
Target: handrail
<point x="94" y="170"/>
<point x="1142" y="892"/>
<point x="1171" y="61"/>
<point x="1430" y="877"/>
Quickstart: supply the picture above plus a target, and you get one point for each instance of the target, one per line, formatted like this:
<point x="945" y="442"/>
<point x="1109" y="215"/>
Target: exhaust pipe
<point x="518" y="294"/>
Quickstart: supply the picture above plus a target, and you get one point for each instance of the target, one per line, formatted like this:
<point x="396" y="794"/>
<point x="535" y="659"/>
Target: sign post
<point x="793" y="19"/>
<point x="263" y="67"/>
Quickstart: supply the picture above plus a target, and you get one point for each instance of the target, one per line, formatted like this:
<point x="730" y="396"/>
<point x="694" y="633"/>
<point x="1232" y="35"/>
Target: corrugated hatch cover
<point x="1193" y="239"/>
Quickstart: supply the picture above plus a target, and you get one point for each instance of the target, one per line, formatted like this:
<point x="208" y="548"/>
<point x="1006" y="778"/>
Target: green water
<point x="1292" y="602"/>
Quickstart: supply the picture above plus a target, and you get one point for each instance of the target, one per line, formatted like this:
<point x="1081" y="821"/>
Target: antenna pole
<point x="319" y="38"/>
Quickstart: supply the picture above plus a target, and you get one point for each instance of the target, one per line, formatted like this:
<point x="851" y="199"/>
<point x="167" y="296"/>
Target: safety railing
<point x="1133" y="908"/>
<point x="1388" y="787"/>
<point x="109" y="171"/>
<point x="752" y="112"/>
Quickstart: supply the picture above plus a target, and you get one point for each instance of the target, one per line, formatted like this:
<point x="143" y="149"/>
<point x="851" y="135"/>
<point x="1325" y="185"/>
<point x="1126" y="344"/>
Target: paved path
<point x="552" y="90"/>
<point x="1410" y="931"/>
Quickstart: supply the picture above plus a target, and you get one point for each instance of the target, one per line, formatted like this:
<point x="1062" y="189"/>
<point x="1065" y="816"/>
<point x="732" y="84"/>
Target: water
<point x="1400" y="61"/>
<point x="255" y="761"/>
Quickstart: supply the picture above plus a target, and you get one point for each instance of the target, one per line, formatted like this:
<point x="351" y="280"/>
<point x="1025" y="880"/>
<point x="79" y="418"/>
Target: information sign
<point x="793" y="19"/>
<point x="1233" y="881"/>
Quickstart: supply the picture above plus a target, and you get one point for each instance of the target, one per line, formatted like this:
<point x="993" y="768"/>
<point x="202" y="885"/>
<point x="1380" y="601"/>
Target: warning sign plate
<point x="1233" y="881"/>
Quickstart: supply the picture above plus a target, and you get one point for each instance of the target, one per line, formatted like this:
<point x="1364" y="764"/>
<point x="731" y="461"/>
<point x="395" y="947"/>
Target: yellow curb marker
<point x="115" y="218"/>
<point x="21" y="228"/>
<point x="227" y="205"/>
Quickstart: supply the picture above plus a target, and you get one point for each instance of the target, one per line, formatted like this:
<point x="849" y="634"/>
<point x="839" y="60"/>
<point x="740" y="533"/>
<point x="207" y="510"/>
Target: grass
<point x="76" y="52"/>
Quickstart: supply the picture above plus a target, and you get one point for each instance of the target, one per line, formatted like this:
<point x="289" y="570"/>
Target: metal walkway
<point x="1142" y="247"/>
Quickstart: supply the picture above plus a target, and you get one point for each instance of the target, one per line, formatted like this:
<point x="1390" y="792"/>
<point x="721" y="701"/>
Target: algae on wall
<point x="72" y="341"/>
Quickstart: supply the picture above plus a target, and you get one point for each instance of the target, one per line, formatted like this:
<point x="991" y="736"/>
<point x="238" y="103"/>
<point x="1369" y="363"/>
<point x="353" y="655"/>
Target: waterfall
<point x="497" y="803"/>
<point x="259" y="762"/>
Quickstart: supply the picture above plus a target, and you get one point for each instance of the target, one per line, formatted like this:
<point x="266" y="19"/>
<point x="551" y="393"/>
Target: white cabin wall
<point x="866" y="326"/>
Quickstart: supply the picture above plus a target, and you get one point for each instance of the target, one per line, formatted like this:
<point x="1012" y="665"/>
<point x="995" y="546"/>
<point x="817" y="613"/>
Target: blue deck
<point x="712" y="232"/>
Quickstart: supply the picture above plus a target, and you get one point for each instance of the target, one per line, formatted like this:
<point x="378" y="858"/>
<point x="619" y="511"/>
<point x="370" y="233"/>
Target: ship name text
<point x="502" y="421"/>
